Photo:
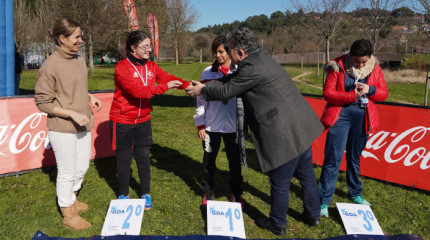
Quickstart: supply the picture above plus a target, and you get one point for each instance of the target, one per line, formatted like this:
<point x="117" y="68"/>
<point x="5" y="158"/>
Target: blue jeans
<point x="348" y="132"/>
<point x="280" y="180"/>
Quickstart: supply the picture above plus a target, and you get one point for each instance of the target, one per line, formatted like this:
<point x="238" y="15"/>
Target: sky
<point x="228" y="11"/>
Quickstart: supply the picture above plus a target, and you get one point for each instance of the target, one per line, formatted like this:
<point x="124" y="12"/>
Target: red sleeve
<point x="163" y="77"/>
<point x="134" y="86"/>
<point x="331" y="93"/>
<point x="380" y="85"/>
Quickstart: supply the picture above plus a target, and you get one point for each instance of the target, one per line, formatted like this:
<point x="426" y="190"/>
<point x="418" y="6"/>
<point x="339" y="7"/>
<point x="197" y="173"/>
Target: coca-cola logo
<point x="24" y="136"/>
<point x="400" y="147"/>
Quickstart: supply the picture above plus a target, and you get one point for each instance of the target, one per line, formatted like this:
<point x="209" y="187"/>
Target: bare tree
<point x="96" y="18"/>
<point x="46" y="13"/>
<point x="425" y="4"/>
<point x="274" y="42"/>
<point x="21" y="27"/>
<point x="201" y="41"/>
<point x="182" y="16"/>
<point x="322" y="17"/>
<point x="377" y="16"/>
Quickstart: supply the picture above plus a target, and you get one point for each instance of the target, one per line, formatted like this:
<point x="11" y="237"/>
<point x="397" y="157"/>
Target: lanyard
<point x="145" y="81"/>
<point x="357" y="78"/>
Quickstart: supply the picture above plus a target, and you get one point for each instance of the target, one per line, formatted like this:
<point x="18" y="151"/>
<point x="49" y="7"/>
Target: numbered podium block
<point x="358" y="219"/>
<point x="225" y="219"/>
<point x="124" y="217"/>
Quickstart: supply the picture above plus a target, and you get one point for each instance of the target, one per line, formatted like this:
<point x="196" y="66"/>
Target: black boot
<point x="268" y="224"/>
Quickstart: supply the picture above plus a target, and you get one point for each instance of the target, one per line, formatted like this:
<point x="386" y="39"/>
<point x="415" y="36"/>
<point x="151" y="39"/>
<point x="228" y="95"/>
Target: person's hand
<point x="361" y="89"/>
<point x="95" y="102"/>
<point x="201" y="133"/>
<point x="194" y="89"/>
<point x="174" y="84"/>
<point x="79" y="118"/>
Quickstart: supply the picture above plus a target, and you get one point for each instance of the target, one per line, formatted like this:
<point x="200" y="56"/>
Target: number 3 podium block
<point x="359" y="219"/>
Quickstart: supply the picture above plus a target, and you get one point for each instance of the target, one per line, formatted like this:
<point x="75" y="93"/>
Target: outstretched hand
<point x="194" y="89"/>
<point x="174" y="84"/>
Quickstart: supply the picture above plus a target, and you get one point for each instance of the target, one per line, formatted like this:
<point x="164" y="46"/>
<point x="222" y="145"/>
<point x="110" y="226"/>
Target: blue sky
<point x="227" y="11"/>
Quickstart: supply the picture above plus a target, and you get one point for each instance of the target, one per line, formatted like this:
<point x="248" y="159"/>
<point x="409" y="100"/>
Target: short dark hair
<point x="218" y="41"/>
<point x="361" y="48"/>
<point x="244" y="39"/>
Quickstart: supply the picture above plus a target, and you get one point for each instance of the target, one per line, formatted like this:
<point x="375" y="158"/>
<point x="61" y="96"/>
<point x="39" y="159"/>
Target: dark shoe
<point x="267" y="223"/>
<point x="309" y="221"/>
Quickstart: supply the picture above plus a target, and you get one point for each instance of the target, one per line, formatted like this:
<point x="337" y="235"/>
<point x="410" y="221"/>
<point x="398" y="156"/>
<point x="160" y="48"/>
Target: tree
<point x="98" y="18"/>
<point x="403" y="12"/>
<point x="377" y="17"/>
<point x="257" y="23"/>
<point x="182" y="17"/>
<point x="45" y="13"/>
<point x="201" y="41"/>
<point x="425" y="4"/>
<point x="21" y="27"/>
<point x="322" y="17"/>
<point x="276" y="40"/>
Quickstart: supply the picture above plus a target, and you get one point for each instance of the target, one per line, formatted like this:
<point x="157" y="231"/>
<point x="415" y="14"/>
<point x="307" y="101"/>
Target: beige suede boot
<point x="72" y="220"/>
<point x="82" y="207"/>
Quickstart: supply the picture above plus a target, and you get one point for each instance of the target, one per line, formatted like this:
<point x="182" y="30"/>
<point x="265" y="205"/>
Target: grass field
<point x="28" y="202"/>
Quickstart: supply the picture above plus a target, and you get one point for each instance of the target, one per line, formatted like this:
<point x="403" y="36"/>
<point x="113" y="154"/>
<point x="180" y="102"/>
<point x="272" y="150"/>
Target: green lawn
<point x="28" y="202"/>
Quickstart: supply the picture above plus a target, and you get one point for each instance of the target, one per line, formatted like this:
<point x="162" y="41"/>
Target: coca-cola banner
<point x="398" y="151"/>
<point x="24" y="142"/>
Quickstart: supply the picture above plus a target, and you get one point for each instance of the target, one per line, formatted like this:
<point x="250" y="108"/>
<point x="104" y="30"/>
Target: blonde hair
<point x="63" y="27"/>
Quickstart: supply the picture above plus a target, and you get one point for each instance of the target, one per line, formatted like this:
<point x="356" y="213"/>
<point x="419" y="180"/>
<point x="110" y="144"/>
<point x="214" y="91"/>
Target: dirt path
<point x="297" y="79"/>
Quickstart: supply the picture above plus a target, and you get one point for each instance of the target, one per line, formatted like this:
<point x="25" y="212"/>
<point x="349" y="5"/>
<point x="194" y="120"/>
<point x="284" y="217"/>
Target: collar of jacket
<point x="344" y="63"/>
<point x="60" y="52"/>
<point x="136" y="60"/>
<point x="215" y="66"/>
<point x="368" y="68"/>
<point x="252" y="55"/>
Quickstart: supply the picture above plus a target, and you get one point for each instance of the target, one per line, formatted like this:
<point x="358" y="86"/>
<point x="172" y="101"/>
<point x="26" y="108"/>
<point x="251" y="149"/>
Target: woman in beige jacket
<point x="62" y="92"/>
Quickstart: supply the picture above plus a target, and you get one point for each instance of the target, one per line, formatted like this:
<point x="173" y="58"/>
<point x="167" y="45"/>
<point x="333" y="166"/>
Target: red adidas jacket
<point x="134" y="87"/>
<point x="336" y="96"/>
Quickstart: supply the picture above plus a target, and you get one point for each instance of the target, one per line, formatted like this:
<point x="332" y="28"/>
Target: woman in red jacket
<point x="354" y="83"/>
<point x="130" y="118"/>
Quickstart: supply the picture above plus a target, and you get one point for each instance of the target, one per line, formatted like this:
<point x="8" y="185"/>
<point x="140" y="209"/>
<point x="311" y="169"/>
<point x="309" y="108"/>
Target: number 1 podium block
<point x="225" y="219"/>
<point x="124" y="217"/>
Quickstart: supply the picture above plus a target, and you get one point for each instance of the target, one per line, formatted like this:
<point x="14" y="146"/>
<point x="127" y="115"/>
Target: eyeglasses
<point x="146" y="47"/>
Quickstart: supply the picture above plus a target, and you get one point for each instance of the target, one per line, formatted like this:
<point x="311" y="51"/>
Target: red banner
<point x="24" y="142"/>
<point x="398" y="152"/>
<point x="153" y="29"/>
<point x="130" y="10"/>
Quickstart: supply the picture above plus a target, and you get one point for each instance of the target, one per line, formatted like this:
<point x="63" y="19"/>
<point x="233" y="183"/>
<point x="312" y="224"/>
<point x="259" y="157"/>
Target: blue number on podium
<point x="230" y="218"/>
<point x="366" y="217"/>
<point x="138" y="210"/>
<point x="126" y="224"/>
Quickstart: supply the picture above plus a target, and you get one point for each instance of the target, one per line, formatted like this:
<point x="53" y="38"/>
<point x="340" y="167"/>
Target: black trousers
<point x="132" y="140"/>
<point x="211" y="147"/>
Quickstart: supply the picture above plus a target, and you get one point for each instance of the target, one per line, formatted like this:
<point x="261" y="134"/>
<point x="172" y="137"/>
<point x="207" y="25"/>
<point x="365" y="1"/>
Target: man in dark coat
<point x="282" y="122"/>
